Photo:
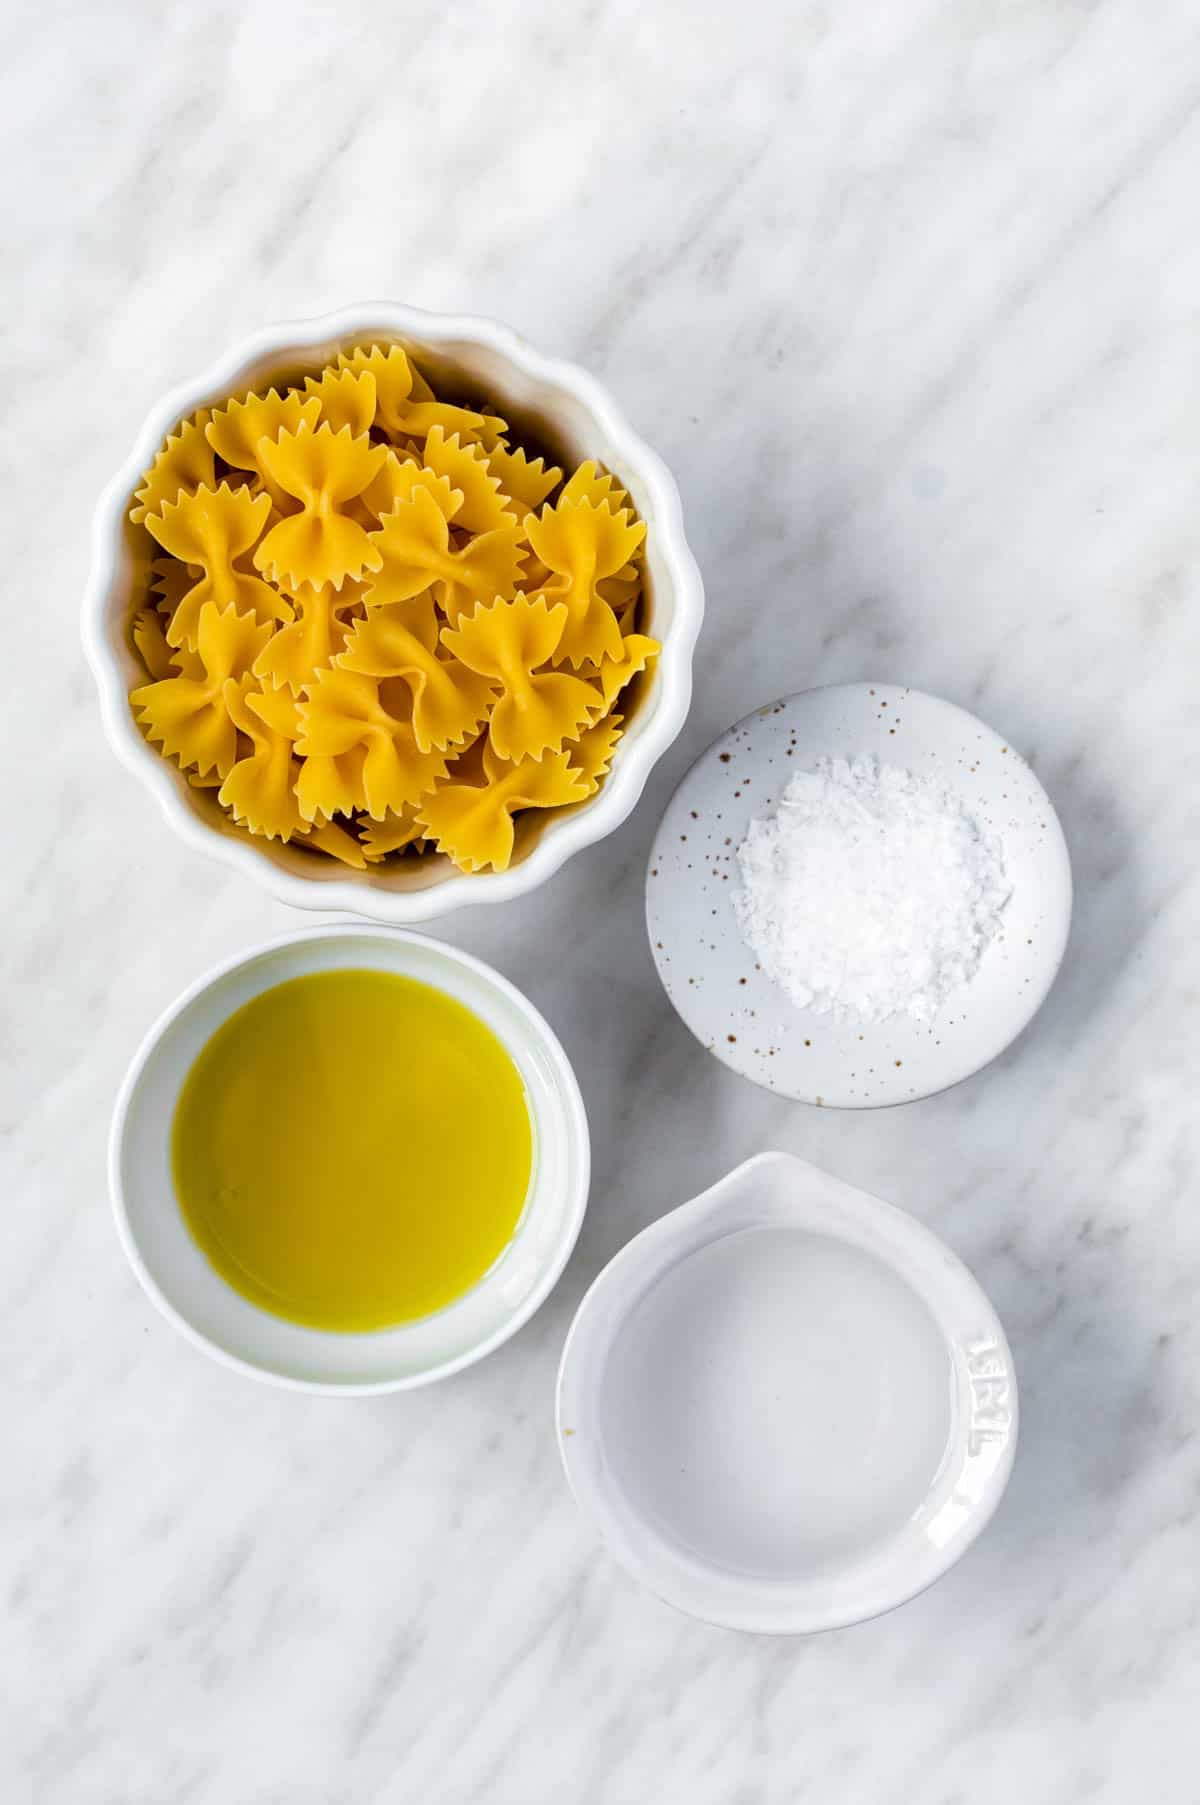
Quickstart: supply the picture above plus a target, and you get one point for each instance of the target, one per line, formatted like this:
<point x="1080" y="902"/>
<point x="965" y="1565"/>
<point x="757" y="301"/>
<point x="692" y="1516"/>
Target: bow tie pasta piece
<point x="473" y="825"/>
<point x="346" y="397"/>
<point x="323" y="470"/>
<point x="160" y="659"/>
<point x="598" y="487"/>
<point x="346" y="709"/>
<point x="622" y="593"/>
<point x="292" y="657"/>
<point x="187" y="716"/>
<point x="212" y="527"/>
<point x="534" y="577"/>
<point x="591" y="754"/>
<point x="150" y="643"/>
<point x="449" y="699"/>
<point x="405" y="404"/>
<point x="413" y="552"/>
<point x="331" y="784"/>
<point x="526" y="484"/>
<point x="169" y="583"/>
<point x="465" y="467"/>
<point x="185" y="462"/>
<point x="418" y="419"/>
<point x="328" y="837"/>
<point x="259" y="791"/>
<point x="637" y="650"/>
<point x="276" y="709"/>
<point x="392" y="834"/>
<point x="236" y="431"/>
<point x="507" y="642"/>
<point x="396" y="482"/>
<point x="583" y="543"/>
<point x="396" y="381"/>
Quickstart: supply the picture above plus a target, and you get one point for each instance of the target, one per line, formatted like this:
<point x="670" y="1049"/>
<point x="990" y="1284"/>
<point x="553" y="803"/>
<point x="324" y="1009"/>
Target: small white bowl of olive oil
<point x="353" y="1161"/>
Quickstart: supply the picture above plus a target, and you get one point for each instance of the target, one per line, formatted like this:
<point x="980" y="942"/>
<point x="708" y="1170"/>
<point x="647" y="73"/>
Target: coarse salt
<point x="869" y="891"/>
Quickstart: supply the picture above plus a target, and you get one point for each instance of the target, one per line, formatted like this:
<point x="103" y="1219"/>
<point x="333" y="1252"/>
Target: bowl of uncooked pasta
<point x="391" y="612"/>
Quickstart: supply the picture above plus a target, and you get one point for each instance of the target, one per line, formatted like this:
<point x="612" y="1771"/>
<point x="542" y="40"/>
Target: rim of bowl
<point x="622" y="788"/>
<point x="641" y="1560"/>
<point x="577" y="1130"/>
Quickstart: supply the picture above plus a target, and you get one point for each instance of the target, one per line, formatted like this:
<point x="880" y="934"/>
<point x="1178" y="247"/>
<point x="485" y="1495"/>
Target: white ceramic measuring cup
<point x="786" y="1406"/>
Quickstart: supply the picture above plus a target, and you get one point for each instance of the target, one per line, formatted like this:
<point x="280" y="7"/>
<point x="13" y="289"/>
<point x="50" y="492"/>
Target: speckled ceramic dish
<point x="710" y="974"/>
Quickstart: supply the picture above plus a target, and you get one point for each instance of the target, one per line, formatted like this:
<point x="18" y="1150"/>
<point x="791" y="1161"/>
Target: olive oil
<point x="352" y="1150"/>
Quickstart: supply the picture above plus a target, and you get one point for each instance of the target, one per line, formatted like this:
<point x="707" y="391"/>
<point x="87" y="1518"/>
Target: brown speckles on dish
<point x="732" y="1039"/>
<point x="725" y="757"/>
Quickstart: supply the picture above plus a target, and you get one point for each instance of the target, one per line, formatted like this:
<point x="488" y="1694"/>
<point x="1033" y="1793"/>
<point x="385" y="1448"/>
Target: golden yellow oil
<point x="352" y="1149"/>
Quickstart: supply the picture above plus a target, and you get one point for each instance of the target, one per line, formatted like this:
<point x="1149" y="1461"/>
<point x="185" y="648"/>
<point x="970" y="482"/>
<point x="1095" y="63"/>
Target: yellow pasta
<point x="413" y="551"/>
<point x="449" y="698"/>
<point x="346" y="397"/>
<point x="591" y="754"/>
<point x="406" y="408"/>
<point x="169" y="583"/>
<point x="260" y="790"/>
<point x="582" y="542"/>
<point x="185" y="462"/>
<point x="393" y="834"/>
<point x="292" y="657"/>
<point x="151" y="643"/>
<point x="537" y="709"/>
<point x="212" y="528"/>
<point x="236" y="431"/>
<point x="466" y="468"/>
<point x="332" y="784"/>
<point x="335" y="842"/>
<point x="188" y="716"/>
<point x="323" y="470"/>
<point x="398" y="478"/>
<point x="599" y="488"/>
<point x="474" y="823"/>
<point x="637" y="650"/>
<point x="346" y="709"/>
<point x="527" y="483"/>
<point x="376" y="625"/>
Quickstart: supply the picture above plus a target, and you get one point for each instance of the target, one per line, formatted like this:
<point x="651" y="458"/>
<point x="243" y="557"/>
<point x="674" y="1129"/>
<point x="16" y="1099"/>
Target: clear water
<point x="779" y="1402"/>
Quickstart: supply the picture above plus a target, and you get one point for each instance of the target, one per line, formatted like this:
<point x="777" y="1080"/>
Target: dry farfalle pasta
<point x="378" y="627"/>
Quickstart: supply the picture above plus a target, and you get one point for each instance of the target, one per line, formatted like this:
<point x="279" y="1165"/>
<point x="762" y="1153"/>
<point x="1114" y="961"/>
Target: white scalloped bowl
<point x="560" y="405"/>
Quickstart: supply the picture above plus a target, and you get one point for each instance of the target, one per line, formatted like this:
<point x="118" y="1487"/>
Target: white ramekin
<point x="581" y="417"/>
<point x="191" y="1293"/>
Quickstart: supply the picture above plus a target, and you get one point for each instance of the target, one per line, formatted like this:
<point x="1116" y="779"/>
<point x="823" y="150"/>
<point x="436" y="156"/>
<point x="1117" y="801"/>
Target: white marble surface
<point x="909" y="296"/>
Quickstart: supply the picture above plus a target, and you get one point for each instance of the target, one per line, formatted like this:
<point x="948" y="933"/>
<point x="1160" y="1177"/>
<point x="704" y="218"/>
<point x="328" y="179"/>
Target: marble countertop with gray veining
<point x="908" y="296"/>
